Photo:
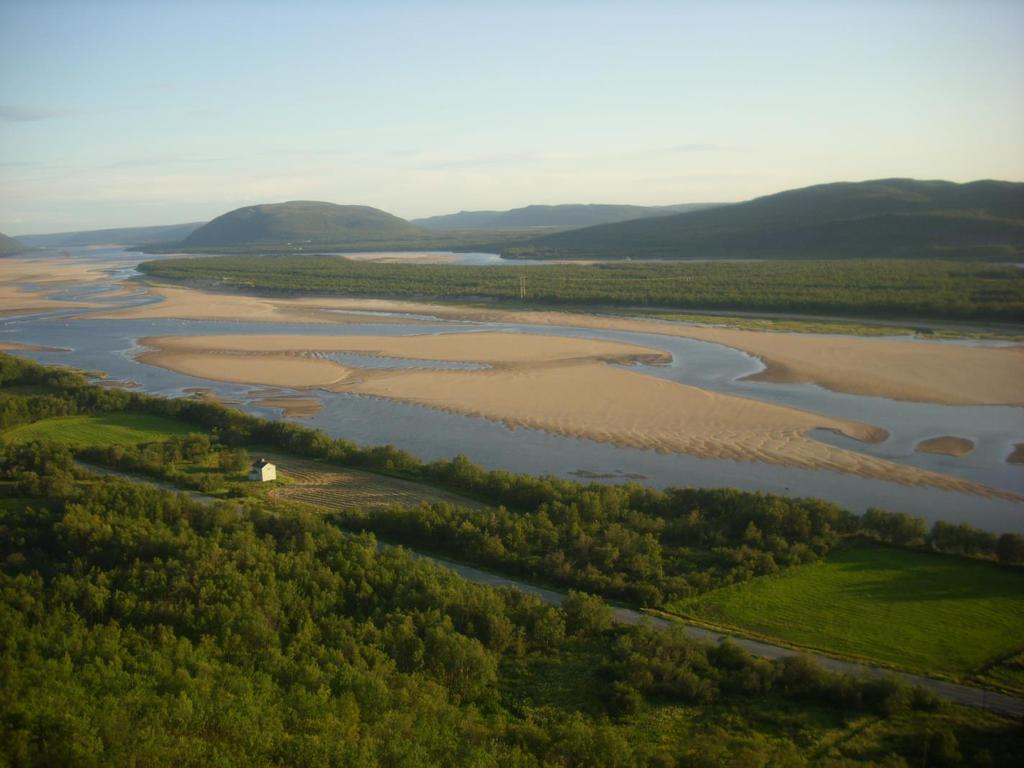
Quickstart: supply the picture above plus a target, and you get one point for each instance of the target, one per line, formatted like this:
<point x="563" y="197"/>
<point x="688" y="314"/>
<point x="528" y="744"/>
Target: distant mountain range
<point x="9" y="246"/>
<point x="299" y="222"/>
<point x="553" y="216"/>
<point x="167" y="233"/>
<point x="887" y="218"/>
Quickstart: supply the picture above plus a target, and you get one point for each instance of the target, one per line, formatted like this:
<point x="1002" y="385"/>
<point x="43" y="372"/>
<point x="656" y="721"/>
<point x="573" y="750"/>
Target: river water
<point x="111" y="345"/>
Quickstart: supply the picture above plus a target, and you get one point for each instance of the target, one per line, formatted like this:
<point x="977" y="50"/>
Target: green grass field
<point x="915" y="610"/>
<point x="101" y="429"/>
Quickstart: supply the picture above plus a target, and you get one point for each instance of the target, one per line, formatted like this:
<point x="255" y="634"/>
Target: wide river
<point x="111" y="345"/>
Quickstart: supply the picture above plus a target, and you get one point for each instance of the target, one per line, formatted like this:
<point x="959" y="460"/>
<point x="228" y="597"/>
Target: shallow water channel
<point x="111" y="345"/>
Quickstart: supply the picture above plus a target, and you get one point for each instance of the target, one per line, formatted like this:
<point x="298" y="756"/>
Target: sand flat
<point x="191" y="304"/>
<point x="555" y="384"/>
<point x="947" y="445"/>
<point x="280" y="370"/>
<point x="490" y="347"/>
<point x="918" y="371"/>
<point x="43" y="274"/>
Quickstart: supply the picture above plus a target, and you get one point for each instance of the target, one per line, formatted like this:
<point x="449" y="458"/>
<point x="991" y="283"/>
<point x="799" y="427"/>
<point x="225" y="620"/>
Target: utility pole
<point x="522" y="287"/>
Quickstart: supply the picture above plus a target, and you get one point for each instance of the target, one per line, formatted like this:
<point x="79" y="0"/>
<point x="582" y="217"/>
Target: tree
<point x="585" y="614"/>
<point x="1010" y="548"/>
<point x="233" y="459"/>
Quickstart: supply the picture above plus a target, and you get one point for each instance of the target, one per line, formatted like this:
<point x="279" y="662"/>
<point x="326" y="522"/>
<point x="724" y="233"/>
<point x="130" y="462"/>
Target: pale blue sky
<point x="118" y="113"/>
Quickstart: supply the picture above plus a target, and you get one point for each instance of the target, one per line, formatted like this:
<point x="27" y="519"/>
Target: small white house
<point x="262" y="471"/>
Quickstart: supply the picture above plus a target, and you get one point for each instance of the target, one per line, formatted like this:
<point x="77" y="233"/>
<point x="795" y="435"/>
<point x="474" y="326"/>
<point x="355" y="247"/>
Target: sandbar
<point x="555" y="384"/>
<point x="911" y="370"/>
<point x="488" y="347"/>
<point x="947" y="445"/>
<point x="299" y="407"/>
<point x="13" y="346"/>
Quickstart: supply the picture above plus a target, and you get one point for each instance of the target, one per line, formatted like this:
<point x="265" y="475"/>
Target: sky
<point x="138" y="113"/>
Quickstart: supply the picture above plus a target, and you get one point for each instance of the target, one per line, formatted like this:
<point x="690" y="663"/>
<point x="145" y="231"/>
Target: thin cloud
<point x="694" y="148"/>
<point x="157" y="160"/>
<point x="488" y="161"/>
<point x="18" y="113"/>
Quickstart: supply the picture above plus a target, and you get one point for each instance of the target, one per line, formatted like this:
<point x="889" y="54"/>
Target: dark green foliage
<point x="962" y="539"/>
<point x="645" y="546"/>
<point x="1010" y="548"/>
<point x="886" y="218"/>
<point x="894" y="527"/>
<point x="856" y="288"/>
<point x="668" y="665"/>
<point x="586" y="615"/>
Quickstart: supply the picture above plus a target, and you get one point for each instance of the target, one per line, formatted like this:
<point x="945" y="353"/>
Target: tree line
<point x="857" y="288"/>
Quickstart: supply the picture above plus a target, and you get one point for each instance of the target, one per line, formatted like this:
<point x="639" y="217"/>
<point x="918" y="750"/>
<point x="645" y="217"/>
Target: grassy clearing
<point x="915" y="610"/>
<point x="340" y="490"/>
<point x="101" y="429"/>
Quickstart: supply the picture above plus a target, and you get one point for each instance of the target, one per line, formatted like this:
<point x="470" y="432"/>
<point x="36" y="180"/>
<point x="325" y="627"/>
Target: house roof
<point x="260" y="463"/>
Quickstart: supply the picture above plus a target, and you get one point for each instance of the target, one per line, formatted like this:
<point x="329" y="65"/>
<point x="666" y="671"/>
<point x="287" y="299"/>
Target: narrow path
<point x="1003" y="704"/>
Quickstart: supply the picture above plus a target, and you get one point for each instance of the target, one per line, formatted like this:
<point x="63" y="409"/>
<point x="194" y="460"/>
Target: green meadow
<point x="100" y="429"/>
<point x="915" y="610"/>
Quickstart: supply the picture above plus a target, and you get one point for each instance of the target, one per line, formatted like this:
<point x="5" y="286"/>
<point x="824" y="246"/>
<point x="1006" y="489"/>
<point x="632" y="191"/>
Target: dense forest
<point x="142" y="628"/>
<point x="917" y="289"/>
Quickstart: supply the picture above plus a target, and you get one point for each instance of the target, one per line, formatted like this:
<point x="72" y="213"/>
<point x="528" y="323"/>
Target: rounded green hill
<point x="299" y="222"/>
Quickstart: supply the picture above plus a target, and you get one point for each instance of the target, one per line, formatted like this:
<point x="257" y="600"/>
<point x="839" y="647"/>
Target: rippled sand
<point x="555" y="384"/>
<point x="918" y="371"/>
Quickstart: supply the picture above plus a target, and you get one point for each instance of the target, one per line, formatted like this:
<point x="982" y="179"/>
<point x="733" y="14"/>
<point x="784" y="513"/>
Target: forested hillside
<point x="300" y="222"/>
<point x="888" y="218"/>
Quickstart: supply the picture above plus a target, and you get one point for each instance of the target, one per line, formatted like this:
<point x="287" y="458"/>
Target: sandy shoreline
<point x="555" y="384"/>
<point x="13" y="346"/>
<point x="917" y="371"/>
<point x="947" y="445"/>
